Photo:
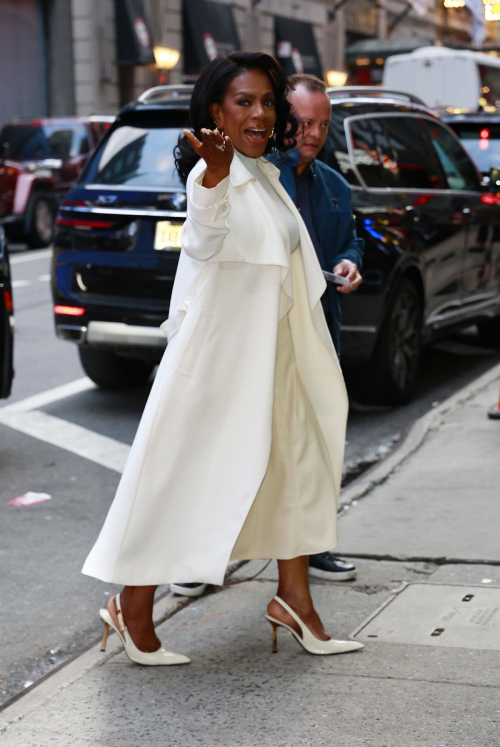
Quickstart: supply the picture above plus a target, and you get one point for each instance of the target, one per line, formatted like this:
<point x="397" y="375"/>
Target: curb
<point x="379" y="473"/>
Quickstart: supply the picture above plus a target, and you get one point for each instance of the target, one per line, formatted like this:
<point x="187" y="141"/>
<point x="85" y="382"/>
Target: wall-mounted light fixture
<point x="166" y="58"/>
<point x="336" y="78"/>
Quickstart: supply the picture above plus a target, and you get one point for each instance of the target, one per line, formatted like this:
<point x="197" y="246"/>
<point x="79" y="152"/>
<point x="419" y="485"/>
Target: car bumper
<point x="113" y="335"/>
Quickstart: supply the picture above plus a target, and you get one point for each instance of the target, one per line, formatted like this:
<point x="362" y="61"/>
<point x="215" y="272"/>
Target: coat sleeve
<point x="206" y="224"/>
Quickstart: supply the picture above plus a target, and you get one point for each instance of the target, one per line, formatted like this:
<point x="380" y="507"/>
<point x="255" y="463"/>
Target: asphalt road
<point x="71" y="448"/>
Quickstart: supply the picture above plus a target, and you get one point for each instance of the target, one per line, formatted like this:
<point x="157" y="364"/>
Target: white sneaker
<point x="188" y="590"/>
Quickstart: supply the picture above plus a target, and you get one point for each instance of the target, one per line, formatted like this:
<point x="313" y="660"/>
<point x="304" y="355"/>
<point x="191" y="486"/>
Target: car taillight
<point x="484" y="139"/>
<point x="74" y="203"/>
<point x="80" y="223"/>
<point x="490" y="199"/>
<point x="8" y="300"/>
<point x="69" y="310"/>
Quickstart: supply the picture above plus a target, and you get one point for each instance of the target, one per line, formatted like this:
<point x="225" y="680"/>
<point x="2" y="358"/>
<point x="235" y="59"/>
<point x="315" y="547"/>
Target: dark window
<point x="459" y="170"/>
<point x="408" y="162"/>
<point x="334" y="153"/>
<point x="136" y="156"/>
<point x="37" y="142"/>
<point x="365" y="144"/>
<point x="481" y="140"/>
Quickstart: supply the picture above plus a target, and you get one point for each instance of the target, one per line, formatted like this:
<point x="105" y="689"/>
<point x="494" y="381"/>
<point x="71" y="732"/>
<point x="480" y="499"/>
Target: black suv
<point x="432" y="258"/>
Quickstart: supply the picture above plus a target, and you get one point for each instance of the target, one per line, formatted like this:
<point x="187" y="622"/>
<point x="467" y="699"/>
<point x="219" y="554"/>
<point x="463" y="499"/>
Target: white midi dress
<point x="289" y="516"/>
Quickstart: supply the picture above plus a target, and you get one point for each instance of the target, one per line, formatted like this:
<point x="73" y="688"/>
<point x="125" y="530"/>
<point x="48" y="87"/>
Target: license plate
<point x="168" y="235"/>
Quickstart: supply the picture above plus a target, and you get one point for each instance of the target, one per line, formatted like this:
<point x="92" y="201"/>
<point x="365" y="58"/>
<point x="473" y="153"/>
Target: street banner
<point x="478" y="26"/>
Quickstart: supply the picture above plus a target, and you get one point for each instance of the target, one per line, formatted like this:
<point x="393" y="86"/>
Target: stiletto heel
<point x="275" y="638"/>
<point x="105" y="637"/>
<point x="307" y="640"/>
<point x="161" y="657"/>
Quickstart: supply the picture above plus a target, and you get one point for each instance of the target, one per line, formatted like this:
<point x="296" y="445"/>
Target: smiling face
<point x="313" y="110"/>
<point x="247" y="113"/>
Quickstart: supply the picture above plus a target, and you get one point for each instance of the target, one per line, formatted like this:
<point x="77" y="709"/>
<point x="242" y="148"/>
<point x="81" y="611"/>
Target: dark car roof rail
<point x="378" y="91"/>
<point x="158" y="94"/>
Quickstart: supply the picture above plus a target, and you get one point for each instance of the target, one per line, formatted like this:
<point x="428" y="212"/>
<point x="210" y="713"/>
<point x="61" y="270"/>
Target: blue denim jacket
<point x="331" y="202"/>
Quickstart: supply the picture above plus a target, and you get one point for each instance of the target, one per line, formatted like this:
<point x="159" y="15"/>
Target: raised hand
<point x="217" y="152"/>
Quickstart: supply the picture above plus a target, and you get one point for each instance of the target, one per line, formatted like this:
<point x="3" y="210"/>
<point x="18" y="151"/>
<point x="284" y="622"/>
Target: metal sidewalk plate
<point x="438" y="615"/>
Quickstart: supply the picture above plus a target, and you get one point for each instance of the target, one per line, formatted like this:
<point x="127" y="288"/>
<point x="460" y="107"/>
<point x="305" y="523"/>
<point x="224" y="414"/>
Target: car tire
<point x="41" y="223"/>
<point x="392" y="374"/>
<point x="489" y="333"/>
<point x="110" y="371"/>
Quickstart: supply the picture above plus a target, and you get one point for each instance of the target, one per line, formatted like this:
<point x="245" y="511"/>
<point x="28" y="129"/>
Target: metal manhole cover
<point x="436" y="615"/>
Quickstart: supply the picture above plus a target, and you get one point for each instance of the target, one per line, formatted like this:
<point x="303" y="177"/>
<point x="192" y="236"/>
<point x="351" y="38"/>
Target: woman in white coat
<point x="239" y="451"/>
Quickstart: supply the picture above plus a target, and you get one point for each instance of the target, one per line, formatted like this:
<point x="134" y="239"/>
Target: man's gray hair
<point x="311" y="82"/>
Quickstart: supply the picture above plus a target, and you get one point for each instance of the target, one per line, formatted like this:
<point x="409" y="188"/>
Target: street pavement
<point x="424" y="529"/>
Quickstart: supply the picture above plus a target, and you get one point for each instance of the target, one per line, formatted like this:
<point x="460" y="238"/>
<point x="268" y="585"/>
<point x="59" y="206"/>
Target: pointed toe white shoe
<point x="307" y="640"/>
<point x="158" y="658"/>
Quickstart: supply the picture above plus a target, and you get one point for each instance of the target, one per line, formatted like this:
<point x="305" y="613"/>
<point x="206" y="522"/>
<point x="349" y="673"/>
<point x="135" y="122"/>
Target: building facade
<point x="62" y="57"/>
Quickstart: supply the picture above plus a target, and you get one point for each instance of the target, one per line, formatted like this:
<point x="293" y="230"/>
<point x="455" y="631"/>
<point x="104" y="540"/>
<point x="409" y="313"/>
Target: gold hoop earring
<point x="272" y="133"/>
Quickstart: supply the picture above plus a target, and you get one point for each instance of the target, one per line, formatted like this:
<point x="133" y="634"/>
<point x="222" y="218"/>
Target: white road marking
<point x="44" y="278"/>
<point x="80" y="441"/>
<point x="36" y="401"/>
<point x="20" y="283"/>
<point x="24" y="416"/>
<point x="14" y="260"/>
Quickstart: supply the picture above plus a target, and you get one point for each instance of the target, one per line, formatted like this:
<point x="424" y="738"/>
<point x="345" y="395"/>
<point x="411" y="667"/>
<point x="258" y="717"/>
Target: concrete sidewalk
<point x="426" y="603"/>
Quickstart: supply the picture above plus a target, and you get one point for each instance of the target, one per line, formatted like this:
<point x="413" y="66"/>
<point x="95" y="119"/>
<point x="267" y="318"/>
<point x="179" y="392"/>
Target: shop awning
<point x="134" y="39"/>
<point x="371" y="49"/>
<point x="296" y="47"/>
<point x="209" y="31"/>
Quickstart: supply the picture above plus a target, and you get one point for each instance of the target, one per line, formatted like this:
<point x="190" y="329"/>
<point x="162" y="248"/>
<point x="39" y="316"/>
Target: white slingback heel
<point x="307" y="640"/>
<point x="161" y="657"/>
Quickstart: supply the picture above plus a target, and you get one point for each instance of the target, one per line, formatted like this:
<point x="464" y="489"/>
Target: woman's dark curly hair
<point x="211" y="87"/>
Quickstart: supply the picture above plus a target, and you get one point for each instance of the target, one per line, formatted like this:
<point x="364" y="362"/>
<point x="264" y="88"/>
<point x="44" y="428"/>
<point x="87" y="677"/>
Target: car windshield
<point x="482" y="142"/>
<point x="35" y="141"/>
<point x="136" y="156"/>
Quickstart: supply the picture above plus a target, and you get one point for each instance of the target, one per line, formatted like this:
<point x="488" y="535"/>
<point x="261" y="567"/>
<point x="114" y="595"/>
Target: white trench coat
<point x="203" y="444"/>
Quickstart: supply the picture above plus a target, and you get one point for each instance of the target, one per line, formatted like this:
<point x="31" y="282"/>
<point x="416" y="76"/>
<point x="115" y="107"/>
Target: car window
<point x="334" y="152"/>
<point x="459" y="171"/>
<point x="481" y="140"/>
<point x="365" y="139"/>
<point x="35" y="141"/>
<point x="136" y="156"/>
<point x="407" y="160"/>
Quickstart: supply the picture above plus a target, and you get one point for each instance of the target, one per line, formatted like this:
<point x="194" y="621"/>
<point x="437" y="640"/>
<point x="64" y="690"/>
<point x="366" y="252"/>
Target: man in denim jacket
<point x="323" y="198"/>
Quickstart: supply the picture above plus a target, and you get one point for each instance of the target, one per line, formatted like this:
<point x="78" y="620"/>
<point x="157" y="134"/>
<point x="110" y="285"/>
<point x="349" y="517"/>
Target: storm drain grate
<point x="438" y="615"/>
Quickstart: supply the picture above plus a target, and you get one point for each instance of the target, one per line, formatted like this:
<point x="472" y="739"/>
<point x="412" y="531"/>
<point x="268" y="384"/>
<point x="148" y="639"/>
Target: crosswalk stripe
<point x="25" y="416"/>
<point x="68" y="436"/>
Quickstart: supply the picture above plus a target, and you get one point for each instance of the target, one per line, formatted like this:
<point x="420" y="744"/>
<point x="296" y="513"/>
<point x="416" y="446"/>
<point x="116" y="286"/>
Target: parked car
<point x="6" y="321"/>
<point x="418" y="204"/>
<point x="39" y="161"/>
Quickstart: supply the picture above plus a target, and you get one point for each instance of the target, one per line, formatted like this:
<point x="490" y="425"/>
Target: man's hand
<point x="348" y="270"/>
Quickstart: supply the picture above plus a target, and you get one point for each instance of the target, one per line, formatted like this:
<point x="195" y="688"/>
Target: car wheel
<point x="110" y="371"/>
<point x="41" y="225"/>
<point x="391" y="375"/>
<point x="489" y="333"/>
